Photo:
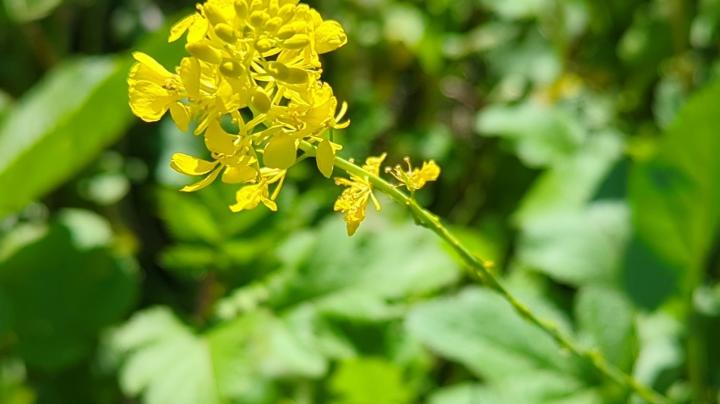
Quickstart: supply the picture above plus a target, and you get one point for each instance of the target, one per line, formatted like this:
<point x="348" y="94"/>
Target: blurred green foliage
<point x="578" y="141"/>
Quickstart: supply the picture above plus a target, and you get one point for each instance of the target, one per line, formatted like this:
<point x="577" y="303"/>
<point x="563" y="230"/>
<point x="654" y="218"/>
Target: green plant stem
<point x="430" y="221"/>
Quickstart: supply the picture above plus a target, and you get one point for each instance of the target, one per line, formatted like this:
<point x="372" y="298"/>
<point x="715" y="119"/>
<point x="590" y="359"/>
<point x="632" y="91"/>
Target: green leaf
<point x="369" y="380"/>
<point x="419" y="266"/>
<point x="606" y="318"/>
<point x="577" y="247"/>
<point x="55" y="129"/>
<point x="519" y="363"/>
<point x="29" y="10"/>
<point x="68" y="270"/>
<point x="541" y="134"/>
<point x="64" y="122"/>
<point x="569" y="184"/>
<point x="480" y="330"/>
<point x="166" y="362"/>
<point x="675" y="195"/>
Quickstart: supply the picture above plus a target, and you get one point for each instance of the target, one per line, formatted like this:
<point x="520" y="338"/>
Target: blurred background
<point x="579" y="143"/>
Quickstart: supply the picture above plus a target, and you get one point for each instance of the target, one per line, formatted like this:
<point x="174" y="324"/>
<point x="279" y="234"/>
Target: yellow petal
<point x="147" y="100"/>
<point x="280" y="152"/>
<point x="329" y="36"/>
<point x="181" y="27"/>
<point x="270" y="204"/>
<point x="189" y="72"/>
<point x="239" y="174"/>
<point x="181" y="115"/>
<point x="190" y="165"/>
<point x="249" y="197"/>
<point x="352" y="227"/>
<point x="372" y="164"/>
<point x="202" y="183"/>
<point x="430" y="171"/>
<point x="197" y="30"/>
<point x="152" y="64"/>
<point x="325" y="158"/>
<point x="217" y="140"/>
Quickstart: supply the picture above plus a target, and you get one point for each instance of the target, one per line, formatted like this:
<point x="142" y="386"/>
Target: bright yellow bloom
<point x="354" y="199"/>
<point x="415" y="178"/>
<point x="253" y="65"/>
<point x="152" y="89"/>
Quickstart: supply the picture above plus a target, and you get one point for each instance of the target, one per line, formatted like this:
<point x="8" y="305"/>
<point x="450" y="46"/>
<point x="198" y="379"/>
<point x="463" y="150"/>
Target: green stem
<point x="432" y="222"/>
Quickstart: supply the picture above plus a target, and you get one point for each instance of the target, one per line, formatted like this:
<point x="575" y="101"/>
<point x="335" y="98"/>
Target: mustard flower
<point x="255" y="63"/>
<point x="415" y="178"/>
<point x="354" y="199"/>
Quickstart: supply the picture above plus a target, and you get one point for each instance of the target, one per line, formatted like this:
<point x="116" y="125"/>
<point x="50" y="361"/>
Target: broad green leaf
<point x="675" y="195"/>
<point x="63" y="122"/>
<point x="569" y="184"/>
<point x="419" y="265"/>
<point x="532" y="388"/>
<point x="68" y="270"/>
<point x="480" y="330"/>
<point x="29" y="10"/>
<point x="166" y="362"/>
<point x="55" y="128"/>
<point x="606" y="318"/>
<point x="577" y="247"/>
<point x="520" y="363"/>
<point x="369" y="380"/>
<point x="541" y="134"/>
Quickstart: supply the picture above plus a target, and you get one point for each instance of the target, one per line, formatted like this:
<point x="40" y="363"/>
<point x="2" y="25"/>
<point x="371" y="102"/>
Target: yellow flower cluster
<point x="255" y="64"/>
<point x="355" y="197"/>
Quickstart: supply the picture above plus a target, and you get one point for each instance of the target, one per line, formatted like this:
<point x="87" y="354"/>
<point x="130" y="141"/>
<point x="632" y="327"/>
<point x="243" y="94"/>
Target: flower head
<point x="415" y="178"/>
<point x="354" y="199"/>
<point x="256" y="64"/>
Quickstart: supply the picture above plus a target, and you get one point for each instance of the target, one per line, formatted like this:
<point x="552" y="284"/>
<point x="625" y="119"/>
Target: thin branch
<point x="481" y="269"/>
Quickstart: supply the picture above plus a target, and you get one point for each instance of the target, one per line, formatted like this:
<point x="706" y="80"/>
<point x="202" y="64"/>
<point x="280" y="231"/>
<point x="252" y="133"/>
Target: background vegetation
<point x="579" y="141"/>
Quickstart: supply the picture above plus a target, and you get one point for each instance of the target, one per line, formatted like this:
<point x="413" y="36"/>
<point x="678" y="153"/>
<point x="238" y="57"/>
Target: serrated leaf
<point x="577" y="247"/>
<point x="606" y="317"/>
<point x="480" y="330"/>
<point x="541" y="134"/>
<point x="519" y="362"/>
<point x="570" y="183"/>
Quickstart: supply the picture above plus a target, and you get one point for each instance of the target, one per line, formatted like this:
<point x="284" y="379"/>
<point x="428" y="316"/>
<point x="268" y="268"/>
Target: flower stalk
<point x="481" y="269"/>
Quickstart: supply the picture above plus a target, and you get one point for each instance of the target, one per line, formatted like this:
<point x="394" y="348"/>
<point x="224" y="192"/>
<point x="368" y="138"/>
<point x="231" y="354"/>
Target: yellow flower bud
<point x="260" y="101"/>
<point x="225" y="32"/>
<point x="203" y="51"/>
<point x="241" y="9"/>
<point x="258" y="18"/>
<point x="231" y="68"/>
<point x="213" y="14"/>
<point x="297" y="42"/>
<point x="263" y="45"/>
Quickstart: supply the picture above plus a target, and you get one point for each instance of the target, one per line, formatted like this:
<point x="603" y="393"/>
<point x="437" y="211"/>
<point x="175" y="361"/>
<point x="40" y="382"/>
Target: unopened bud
<point x="263" y="45"/>
<point x="260" y="101"/>
<point x="231" y="68"/>
<point x="241" y="9"/>
<point x="204" y="51"/>
<point x="297" y="42"/>
<point x="225" y="32"/>
<point x="213" y="14"/>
